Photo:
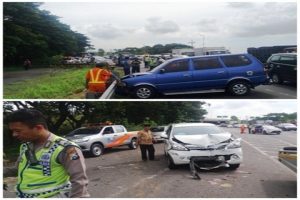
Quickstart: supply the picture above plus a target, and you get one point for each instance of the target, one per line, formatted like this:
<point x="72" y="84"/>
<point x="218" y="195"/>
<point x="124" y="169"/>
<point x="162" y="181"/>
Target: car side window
<point x="289" y="60"/>
<point x="236" y="60"/>
<point x="275" y="58"/>
<point x="206" y="63"/>
<point x="108" y="130"/>
<point x="119" y="129"/>
<point x="177" y="66"/>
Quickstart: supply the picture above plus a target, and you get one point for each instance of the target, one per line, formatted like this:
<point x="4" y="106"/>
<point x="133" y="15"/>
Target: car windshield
<point x="85" y="131"/>
<point x="196" y="130"/>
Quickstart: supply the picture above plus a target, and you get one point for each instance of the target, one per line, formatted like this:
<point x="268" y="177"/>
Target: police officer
<point x="48" y="165"/>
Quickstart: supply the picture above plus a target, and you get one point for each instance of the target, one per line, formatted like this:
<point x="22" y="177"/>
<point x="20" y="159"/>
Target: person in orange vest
<point x="242" y="128"/>
<point x="97" y="80"/>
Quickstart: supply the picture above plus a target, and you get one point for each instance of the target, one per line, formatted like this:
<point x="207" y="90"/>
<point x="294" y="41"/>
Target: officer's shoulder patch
<point x="63" y="142"/>
<point x="72" y="153"/>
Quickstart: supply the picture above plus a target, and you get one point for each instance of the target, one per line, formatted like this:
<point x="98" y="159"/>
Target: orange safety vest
<point x="97" y="80"/>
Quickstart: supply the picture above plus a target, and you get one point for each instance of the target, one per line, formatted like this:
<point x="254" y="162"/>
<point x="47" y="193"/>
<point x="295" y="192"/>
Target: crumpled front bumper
<point x="231" y="156"/>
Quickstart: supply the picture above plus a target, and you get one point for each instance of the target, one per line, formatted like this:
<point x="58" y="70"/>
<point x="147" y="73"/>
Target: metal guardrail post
<point x="109" y="91"/>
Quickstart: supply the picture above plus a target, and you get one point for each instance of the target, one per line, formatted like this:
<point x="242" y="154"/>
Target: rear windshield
<point x="157" y="129"/>
<point x="236" y="60"/>
<point x="85" y="131"/>
<point x="196" y="130"/>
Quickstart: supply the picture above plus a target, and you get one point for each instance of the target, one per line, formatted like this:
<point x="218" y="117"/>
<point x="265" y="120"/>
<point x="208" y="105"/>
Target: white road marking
<point x="268" y="156"/>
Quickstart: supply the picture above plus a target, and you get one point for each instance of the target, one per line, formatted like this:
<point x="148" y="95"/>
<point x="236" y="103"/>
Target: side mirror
<point x="162" y="71"/>
<point x="164" y="135"/>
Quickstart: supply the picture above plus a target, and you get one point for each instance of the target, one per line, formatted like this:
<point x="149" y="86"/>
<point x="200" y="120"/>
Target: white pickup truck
<point x="96" y="139"/>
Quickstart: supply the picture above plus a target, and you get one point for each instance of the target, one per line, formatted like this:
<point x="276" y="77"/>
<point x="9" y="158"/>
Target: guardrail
<point x="109" y="91"/>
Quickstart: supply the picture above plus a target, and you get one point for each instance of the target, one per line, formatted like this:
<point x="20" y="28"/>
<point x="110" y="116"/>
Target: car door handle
<point x="187" y="75"/>
<point x="115" y="135"/>
<point x="221" y="72"/>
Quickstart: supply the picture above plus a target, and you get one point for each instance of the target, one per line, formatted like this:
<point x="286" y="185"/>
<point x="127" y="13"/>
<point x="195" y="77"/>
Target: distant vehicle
<point x="282" y="67"/>
<point x="233" y="73"/>
<point x="96" y="139"/>
<point x="102" y="59"/>
<point x="288" y="157"/>
<point x="223" y="125"/>
<point x="287" y="127"/>
<point x="210" y="146"/>
<point x="265" y="129"/>
<point x="158" y="131"/>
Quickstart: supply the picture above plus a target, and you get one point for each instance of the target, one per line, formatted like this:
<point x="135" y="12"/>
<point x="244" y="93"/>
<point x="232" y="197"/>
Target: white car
<point x="208" y="145"/>
<point x="157" y="132"/>
<point x="287" y="127"/>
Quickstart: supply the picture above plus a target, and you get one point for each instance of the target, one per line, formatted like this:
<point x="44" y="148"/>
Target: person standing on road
<point x="27" y="64"/>
<point x="126" y="66"/>
<point x="135" y="64"/>
<point x="97" y="80"/>
<point x="48" y="165"/>
<point x="145" y="141"/>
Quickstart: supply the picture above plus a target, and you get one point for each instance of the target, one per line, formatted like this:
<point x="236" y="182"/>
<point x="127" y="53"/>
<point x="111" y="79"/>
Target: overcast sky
<point x="247" y="108"/>
<point x="235" y="25"/>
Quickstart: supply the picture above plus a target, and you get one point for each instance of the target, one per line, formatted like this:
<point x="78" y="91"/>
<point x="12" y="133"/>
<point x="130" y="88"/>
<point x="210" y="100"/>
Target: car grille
<point x="209" y="161"/>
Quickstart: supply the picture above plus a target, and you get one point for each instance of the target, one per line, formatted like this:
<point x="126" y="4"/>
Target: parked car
<point x="157" y="132"/>
<point x="223" y="125"/>
<point x="265" y="129"/>
<point x="287" y="127"/>
<point x="233" y="73"/>
<point x="288" y="157"/>
<point x="96" y="139"/>
<point x="102" y="59"/>
<point x="211" y="146"/>
<point x="282" y="67"/>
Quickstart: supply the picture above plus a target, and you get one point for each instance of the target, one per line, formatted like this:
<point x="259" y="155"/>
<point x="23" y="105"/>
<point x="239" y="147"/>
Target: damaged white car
<point x="201" y="145"/>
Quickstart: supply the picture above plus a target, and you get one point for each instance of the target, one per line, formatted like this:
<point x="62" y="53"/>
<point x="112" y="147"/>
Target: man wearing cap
<point x="145" y="140"/>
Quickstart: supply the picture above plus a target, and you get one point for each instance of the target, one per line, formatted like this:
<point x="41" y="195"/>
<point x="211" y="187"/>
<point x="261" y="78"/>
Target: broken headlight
<point x="234" y="144"/>
<point x="178" y="147"/>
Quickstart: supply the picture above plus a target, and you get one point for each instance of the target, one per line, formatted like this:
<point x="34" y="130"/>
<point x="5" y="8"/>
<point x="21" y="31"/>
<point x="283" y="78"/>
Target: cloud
<point x="156" y="25"/>
<point x="104" y="31"/>
<point x="207" y="25"/>
<point x="280" y="27"/>
<point x="269" y="19"/>
<point x="244" y="5"/>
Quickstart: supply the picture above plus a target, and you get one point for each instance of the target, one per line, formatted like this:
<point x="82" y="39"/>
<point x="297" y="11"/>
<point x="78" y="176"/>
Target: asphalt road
<point x="120" y="173"/>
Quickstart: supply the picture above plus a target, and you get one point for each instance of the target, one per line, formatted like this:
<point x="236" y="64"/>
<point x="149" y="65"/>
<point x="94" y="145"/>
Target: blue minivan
<point x="233" y="73"/>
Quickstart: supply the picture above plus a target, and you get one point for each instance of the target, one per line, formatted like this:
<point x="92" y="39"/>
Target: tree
<point x="234" y="118"/>
<point x="100" y="52"/>
<point x="36" y="34"/>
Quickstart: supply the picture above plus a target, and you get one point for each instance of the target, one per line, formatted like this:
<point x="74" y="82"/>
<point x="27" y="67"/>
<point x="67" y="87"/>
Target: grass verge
<point x="58" y="84"/>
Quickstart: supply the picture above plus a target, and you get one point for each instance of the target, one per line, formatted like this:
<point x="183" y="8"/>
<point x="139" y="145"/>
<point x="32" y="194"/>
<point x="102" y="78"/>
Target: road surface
<point x="120" y="173"/>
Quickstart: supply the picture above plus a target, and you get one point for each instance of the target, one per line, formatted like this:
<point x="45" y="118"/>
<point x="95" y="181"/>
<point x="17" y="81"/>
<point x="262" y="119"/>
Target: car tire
<point x="239" y="88"/>
<point x="144" y="92"/>
<point x="234" y="166"/>
<point x="264" y="132"/>
<point x="170" y="162"/>
<point x="276" y="79"/>
<point x="133" y="144"/>
<point x="97" y="150"/>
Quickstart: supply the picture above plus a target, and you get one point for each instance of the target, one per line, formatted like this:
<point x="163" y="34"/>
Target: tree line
<point x="63" y="117"/>
<point x="29" y="32"/>
<point x="155" y="49"/>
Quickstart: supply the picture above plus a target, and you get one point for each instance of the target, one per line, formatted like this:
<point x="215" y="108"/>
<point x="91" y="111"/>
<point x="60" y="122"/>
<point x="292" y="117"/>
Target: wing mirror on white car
<point x="164" y="135"/>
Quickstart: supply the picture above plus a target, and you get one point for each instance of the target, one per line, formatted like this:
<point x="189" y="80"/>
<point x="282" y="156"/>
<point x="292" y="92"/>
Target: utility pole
<point x="192" y="43"/>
